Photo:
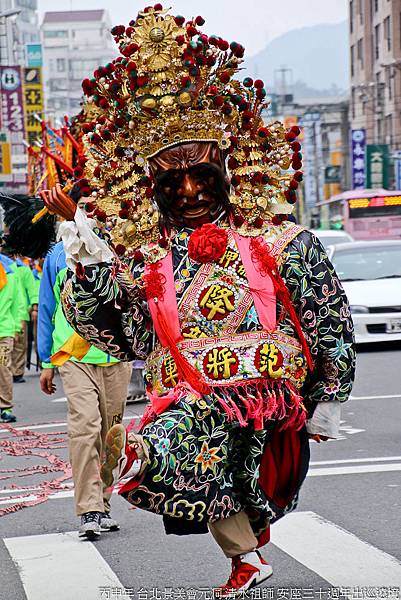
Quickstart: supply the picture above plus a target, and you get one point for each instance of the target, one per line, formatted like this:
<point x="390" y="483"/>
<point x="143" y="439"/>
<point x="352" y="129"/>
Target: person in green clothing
<point x="10" y="324"/>
<point x="96" y="389"/>
<point x="30" y="304"/>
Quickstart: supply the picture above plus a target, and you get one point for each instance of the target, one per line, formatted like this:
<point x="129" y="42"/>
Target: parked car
<point x="371" y="275"/>
<point x="331" y="236"/>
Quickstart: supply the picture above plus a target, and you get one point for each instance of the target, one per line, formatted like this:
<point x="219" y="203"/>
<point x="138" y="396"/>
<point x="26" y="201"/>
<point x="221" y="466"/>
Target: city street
<point x="346" y="532"/>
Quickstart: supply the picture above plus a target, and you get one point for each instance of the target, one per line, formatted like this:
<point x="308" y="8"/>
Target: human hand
<point x="59" y="203"/>
<point x="46" y="381"/>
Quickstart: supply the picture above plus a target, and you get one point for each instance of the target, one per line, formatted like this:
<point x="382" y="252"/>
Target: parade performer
<point x="190" y="263"/>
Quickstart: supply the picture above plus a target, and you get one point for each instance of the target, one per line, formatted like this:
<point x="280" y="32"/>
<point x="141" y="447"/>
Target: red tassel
<point x="185" y="370"/>
<point x="267" y="262"/>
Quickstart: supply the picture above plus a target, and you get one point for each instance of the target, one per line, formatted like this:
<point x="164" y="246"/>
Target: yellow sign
<point x="34" y="103"/>
<point x="5" y="158"/>
<point x="375" y="202"/>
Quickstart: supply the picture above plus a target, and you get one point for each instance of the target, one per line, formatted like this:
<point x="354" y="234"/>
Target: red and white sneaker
<point x="248" y="571"/>
<point x="121" y="460"/>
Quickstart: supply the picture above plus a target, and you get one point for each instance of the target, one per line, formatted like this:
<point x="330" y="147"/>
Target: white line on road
<point x="61" y="424"/>
<point x="335" y="554"/>
<point x="375" y="397"/>
<point x="61" y="566"/>
<point x="64" y="399"/>
<point x="357" y="469"/>
<point x="354" y="460"/>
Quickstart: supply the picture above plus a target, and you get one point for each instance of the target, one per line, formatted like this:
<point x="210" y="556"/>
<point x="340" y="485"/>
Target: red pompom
<point x="293" y="184"/>
<point x="163" y="243"/>
<point x="120" y="250"/>
<point x="232" y="163"/>
<point x="235" y="180"/>
<point x="213" y="91"/>
<point x="149" y="192"/>
<point x="239" y="220"/>
<point x="295" y="130"/>
<point x="191" y="31"/>
<point x="263" y="132"/>
<point x="225" y="77"/>
<point x="218" y="101"/>
<point x="248" y="82"/>
<point x="123" y="213"/>
<point x="290" y="136"/>
<point x="138" y="256"/>
<point x="158" y="7"/>
<point x="208" y="243"/>
<point x="258" y="222"/>
<point x="223" y="45"/>
<point x="200" y="21"/>
<point x="296" y="146"/>
<point x="298" y="176"/>
<point x="179" y="20"/>
<point x="180" y="39"/>
<point x="130" y="49"/>
<point x="141" y="81"/>
<point x="277" y="220"/>
<point x="259" y="84"/>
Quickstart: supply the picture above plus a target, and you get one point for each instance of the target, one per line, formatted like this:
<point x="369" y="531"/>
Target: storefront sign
<point x="358" y="139"/>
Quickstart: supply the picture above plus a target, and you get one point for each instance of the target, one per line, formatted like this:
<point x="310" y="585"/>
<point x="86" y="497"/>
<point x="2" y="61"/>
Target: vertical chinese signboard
<point x="5" y="158"/>
<point x="377" y="159"/>
<point x="13" y="123"/>
<point x="358" y="139"/>
<point x="33" y="93"/>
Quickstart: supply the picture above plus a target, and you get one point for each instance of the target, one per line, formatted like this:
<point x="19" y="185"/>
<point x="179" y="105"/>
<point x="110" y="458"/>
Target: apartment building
<point x="375" y="53"/>
<point x="74" y="43"/>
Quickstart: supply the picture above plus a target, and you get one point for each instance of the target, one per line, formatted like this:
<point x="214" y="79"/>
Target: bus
<point x="365" y="214"/>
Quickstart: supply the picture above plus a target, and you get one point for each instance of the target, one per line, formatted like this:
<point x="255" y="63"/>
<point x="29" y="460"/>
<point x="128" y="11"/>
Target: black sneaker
<point x="107" y="523"/>
<point x="7" y="416"/>
<point x="18" y="379"/>
<point x="90" y="525"/>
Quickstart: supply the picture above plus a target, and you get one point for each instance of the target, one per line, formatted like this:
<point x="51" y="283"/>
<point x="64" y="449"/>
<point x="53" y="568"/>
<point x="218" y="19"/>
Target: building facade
<point x="17" y="31"/>
<point x="375" y="53"/>
<point x="74" y="43"/>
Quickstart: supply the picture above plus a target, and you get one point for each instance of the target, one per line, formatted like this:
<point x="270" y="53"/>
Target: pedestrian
<point x="241" y="319"/>
<point x="10" y="310"/>
<point x="96" y="389"/>
<point x="30" y="309"/>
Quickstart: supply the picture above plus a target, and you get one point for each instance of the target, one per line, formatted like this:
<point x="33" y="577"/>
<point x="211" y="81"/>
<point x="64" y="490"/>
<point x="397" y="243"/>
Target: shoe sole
<point x="90" y="535"/>
<point x="115" y="443"/>
<point x="238" y="593"/>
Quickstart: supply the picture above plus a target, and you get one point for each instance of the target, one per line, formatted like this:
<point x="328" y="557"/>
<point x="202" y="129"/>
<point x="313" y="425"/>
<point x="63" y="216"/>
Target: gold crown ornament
<point x="173" y="84"/>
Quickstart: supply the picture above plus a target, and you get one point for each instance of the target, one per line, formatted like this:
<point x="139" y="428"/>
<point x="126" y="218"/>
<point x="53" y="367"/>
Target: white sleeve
<point x="325" y="419"/>
<point x="81" y="244"/>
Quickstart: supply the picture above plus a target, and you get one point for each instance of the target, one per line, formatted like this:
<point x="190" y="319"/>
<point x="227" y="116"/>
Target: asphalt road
<point x="345" y="535"/>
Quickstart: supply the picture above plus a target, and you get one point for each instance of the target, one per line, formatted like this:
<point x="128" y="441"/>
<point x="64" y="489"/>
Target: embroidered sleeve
<point x="105" y="307"/>
<point x="325" y="318"/>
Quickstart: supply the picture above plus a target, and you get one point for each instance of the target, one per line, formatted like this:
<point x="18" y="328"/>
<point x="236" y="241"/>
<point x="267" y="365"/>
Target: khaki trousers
<point x="18" y="360"/>
<point x="6" y="374"/>
<point x="234" y="535"/>
<point x="96" y="400"/>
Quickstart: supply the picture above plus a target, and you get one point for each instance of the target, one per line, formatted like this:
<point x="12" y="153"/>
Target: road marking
<point x="61" y="424"/>
<point x="61" y="566"/>
<point x="375" y="397"/>
<point x="356" y="470"/>
<point x="335" y="554"/>
<point x="354" y="460"/>
<point x="64" y="399"/>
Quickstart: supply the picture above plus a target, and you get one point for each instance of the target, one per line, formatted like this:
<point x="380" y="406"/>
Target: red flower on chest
<point x="208" y="243"/>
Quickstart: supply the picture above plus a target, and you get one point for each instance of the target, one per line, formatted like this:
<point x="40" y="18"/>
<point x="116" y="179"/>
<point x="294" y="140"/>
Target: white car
<point x="332" y="236"/>
<point x="371" y="275"/>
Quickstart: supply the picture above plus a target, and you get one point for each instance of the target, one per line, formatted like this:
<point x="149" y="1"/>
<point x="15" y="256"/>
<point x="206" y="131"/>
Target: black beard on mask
<point x="168" y="182"/>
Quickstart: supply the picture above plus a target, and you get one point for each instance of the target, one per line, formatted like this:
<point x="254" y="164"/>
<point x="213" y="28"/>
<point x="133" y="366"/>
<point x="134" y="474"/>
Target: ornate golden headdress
<point x="173" y="84"/>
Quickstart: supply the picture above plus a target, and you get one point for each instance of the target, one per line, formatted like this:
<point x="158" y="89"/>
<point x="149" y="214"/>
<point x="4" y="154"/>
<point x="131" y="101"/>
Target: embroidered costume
<point x="238" y="313"/>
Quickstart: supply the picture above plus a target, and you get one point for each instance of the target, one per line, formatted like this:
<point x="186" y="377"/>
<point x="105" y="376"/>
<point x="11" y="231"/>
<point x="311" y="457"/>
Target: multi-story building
<point x="74" y="43"/>
<point x="375" y="52"/>
<point x="17" y="31"/>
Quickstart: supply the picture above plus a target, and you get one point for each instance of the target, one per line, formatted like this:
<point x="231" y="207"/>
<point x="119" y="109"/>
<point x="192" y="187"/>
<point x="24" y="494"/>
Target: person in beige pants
<point x="96" y="389"/>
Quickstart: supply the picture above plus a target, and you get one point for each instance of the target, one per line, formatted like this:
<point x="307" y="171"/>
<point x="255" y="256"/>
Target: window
<point x="60" y="65"/>
<point x="351" y="16"/>
<point x="360" y="10"/>
<point x="360" y="51"/>
<point x="376" y="5"/>
<point x="56" y="34"/>
<point x="352" y="61"/>
<point x="389" y="83"/>
<point x="377" y="42"/>
<point x="387" y="32"/>
<point x="389" y="129"/>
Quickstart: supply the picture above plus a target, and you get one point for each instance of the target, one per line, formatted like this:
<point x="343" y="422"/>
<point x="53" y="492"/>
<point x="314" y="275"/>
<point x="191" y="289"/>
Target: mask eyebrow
<point x="170" y="177"/>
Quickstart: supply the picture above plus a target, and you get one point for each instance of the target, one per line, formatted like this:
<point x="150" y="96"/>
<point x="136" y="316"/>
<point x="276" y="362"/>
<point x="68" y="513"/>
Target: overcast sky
<point x="254" y="23"/>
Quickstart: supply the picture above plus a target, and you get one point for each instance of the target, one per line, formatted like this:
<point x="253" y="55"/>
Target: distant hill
<point x="318" y="57"/>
